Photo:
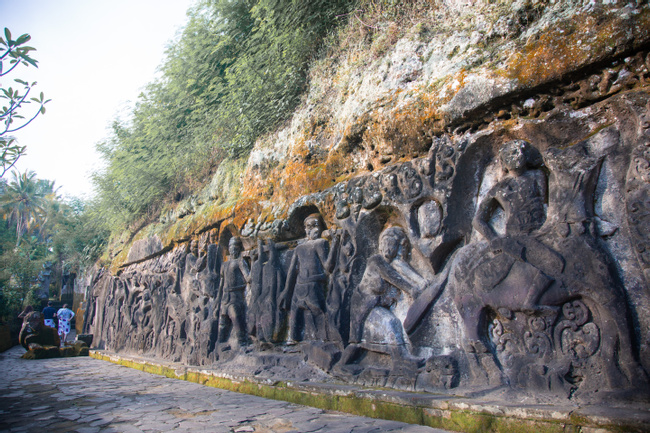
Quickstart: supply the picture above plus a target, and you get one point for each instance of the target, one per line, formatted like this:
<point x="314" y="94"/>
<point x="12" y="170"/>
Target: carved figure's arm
<point x="245" y="270"/>
<point x="287" y="293"/>
<point x="222" y="279"/>
<point x="483" y="214"/>
<point x="424" y="301"/>
<point x="330" y="263"/>
<point x="411" y="275"/>
<point x="390" y="275"/>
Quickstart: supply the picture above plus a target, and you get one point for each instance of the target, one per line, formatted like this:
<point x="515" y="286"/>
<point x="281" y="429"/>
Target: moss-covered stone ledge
<point x="445" y="411"/>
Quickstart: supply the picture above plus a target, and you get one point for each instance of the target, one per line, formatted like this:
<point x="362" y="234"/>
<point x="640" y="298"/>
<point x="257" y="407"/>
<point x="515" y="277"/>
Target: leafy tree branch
<point x="14" y="53"/>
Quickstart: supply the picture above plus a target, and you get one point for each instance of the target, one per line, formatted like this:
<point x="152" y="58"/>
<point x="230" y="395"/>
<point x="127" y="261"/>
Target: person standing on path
<point x="64" y="315"/>
<point x="49" y="313"/>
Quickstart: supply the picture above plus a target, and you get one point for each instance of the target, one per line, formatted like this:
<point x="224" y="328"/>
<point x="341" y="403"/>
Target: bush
<point x="238" y="71"/>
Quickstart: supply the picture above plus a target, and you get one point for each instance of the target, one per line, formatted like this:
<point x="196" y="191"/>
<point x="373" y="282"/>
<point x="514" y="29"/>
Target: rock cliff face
<point x="467" y="205"/>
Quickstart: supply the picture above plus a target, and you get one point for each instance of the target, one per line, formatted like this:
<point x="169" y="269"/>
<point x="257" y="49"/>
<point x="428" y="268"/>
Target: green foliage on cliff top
<point x="237" y="71"/>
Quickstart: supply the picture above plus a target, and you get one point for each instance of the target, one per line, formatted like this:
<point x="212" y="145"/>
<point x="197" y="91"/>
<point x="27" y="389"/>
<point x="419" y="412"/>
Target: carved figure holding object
<point x="304" y="292"/>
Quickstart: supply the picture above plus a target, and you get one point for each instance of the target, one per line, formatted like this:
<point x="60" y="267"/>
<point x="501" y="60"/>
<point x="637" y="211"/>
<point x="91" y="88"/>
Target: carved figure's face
<point x="313" y="228"/>
<point x="389" y="247"/>
<point x="429" y="219"/>
<point x="194" y="247"/>
<point x="235" y="247"/>
<point x="513" y="157"/>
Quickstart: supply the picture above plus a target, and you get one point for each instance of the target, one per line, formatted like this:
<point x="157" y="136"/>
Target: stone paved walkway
<point x="86" y="395"/>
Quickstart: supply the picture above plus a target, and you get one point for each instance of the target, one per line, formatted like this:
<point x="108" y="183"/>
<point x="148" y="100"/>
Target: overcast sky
<point x="95" y="57"/>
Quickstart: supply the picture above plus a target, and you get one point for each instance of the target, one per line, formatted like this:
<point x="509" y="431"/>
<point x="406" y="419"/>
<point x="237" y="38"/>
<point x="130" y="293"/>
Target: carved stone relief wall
<point x="515" y="256"/>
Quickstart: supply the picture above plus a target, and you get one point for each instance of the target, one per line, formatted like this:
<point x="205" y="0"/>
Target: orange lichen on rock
<point x="299" y="179"/>
<point x="349" y="126"/>
<point x="406" y="130"/>
<point x="574" y="43"/>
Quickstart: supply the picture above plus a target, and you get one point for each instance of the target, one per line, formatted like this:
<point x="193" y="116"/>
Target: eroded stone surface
<point x="507" y="257"/>
<point x="496" y="242"/>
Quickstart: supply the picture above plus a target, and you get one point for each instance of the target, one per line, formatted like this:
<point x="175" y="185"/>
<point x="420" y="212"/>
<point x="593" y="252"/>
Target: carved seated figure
<point x="506" y="271"/>
<point x="509" y="271"/>
<point x="551" y="273"/>
<point x="374" y="327"/>
<point x="521" y="195"/>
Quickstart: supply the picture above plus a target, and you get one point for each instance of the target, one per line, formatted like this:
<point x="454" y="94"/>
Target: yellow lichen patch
<point x="338" y="165"/>
<point x="403" y="131"/>
<point x="256" y="185"/>
<point x="119" y="259"/>
<point x="187" y="227"/>
<point x="285" y="183"/>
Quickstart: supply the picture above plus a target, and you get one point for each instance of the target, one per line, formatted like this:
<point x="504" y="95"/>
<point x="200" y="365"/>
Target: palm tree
<point x="25" y="202"/>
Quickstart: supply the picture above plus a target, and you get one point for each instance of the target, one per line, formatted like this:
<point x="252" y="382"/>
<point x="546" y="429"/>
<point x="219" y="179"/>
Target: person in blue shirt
<point x="49" y="313"/>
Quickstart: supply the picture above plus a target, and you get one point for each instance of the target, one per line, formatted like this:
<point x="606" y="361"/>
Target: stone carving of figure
<point x="235" y="275"/>
<point x="158" y="301"/>
<point x="170" y="346"/>
<point x="267" y="279"/>
<point x="346" y="276"/>
<point x="123" y="314"/>
<point x="373" y="324"/>
<point x="549" y="271"/>
<point x="258" y="259"/>
<point x="141" y="315"/>
<point x="521" y="195"/>
<point x="304" y="293"/>
<point x="191" y="295"/>
<point x="208" y="267"/>
<point x="176" y="310"/>
<point x="35" y="334"/>
<point x="588" y="273"/>
<point x="508" y="271"/>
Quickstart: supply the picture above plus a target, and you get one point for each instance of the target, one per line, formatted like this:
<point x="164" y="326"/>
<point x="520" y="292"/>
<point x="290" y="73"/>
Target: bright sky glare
<point x="94" y="58"/>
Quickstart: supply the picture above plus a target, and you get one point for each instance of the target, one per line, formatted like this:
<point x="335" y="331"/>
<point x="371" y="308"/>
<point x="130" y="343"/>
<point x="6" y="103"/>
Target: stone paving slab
<point x="498" y="410"/>
<point x="87" y="395"/>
